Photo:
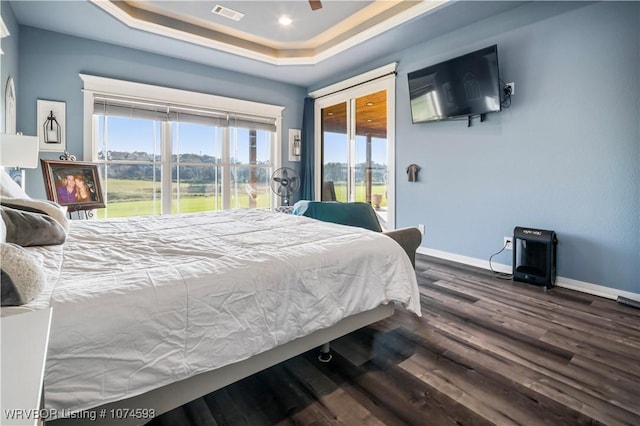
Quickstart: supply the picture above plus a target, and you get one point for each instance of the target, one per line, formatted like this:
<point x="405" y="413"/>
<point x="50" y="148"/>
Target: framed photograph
<point x="73" y="184"/>
<point x="51" y="117"/>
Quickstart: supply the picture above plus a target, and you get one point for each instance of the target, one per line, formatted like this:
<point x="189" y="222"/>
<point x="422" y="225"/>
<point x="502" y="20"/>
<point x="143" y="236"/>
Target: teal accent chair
<point x="361" y="215"/>
<point x="357" y="214"/>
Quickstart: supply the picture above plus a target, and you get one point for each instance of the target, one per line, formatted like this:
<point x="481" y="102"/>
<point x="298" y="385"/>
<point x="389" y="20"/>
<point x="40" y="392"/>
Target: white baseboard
<point x="582" y="286"/>
<point x="465" y="260"/>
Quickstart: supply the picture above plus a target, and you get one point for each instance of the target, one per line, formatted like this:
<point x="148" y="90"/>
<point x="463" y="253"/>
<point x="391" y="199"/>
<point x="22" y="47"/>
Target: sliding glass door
<point x="369" y="168"/>
<point x="335" y="153"/>
<point x="355" y="158"/>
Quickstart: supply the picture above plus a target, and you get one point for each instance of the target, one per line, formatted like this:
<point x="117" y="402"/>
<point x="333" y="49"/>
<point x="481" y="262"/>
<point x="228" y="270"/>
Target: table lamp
<point x="20" y="152"/>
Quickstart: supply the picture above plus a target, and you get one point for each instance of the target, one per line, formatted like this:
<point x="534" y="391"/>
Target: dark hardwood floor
<point x="486" y="351"/>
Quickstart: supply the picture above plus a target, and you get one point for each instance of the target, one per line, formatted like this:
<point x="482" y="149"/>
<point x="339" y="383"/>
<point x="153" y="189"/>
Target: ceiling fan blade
<point x="315" y="4"/>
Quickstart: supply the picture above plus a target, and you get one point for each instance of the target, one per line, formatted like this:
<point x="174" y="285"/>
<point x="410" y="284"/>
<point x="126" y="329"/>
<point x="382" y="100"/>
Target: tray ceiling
<point x="312" y="35"/>
<point x="338" y="39"/>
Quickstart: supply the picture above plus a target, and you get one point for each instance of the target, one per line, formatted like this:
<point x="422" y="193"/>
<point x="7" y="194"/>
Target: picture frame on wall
<point x="51" y="125"/>
<point x="73" y="184"/>
<point x="10" y="107"/>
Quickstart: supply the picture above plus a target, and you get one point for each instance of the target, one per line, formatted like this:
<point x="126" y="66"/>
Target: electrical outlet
<point x="508" y="243"/>
<point x="421" y="228"/>
<point x="512" y="88"/>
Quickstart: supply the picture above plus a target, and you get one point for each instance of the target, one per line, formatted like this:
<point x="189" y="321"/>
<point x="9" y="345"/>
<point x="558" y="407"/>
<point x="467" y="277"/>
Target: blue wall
<point x="50" y="63"/>
<point x="565" y="156"/>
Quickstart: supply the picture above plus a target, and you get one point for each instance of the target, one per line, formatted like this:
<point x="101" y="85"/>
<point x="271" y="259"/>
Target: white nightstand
<point x="25" y="338"/>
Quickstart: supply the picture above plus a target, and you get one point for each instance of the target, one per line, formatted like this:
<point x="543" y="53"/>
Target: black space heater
<point x="534" y="256"/>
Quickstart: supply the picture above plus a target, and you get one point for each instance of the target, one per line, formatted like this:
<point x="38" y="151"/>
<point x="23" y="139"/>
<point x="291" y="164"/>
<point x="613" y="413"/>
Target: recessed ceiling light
<point x="369" y="104"/>
<point x="285" y="20"/>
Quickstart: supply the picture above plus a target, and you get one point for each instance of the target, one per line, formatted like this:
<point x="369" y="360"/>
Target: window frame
<point x="95" y="85"/>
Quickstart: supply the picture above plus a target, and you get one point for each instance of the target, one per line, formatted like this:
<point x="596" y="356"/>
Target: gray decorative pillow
<point x="27" y="228"/>
<point x="22" y="278"/>
<point x="49" y="208"/>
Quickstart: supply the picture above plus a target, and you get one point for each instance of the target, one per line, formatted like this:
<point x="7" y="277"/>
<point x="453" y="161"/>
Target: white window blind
<point x="149" y="110"/>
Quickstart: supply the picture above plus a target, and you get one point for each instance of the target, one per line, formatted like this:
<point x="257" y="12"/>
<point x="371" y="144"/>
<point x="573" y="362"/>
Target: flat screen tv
<point x="464" y="86"/>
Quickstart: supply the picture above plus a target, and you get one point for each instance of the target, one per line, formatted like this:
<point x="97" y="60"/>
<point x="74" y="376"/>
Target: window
<point x="166" y="156"/>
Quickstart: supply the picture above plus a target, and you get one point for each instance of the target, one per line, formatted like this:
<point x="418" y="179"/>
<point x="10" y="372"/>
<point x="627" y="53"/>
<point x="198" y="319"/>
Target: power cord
<point x="500" y="275"/>
<point x="506" y="90"/>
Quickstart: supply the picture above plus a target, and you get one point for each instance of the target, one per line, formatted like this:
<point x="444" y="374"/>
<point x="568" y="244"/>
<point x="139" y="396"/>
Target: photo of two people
<point x="73" y="184"/>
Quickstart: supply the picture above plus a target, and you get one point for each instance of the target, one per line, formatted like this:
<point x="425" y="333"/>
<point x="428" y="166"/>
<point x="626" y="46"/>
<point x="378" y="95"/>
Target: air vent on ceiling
<point x="227" y="13"/>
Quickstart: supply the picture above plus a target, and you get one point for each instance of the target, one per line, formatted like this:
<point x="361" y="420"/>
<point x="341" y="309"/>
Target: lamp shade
<point x="18" y="151"/>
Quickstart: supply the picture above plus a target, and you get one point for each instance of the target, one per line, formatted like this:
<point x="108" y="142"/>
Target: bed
<point x="152" y="312"/>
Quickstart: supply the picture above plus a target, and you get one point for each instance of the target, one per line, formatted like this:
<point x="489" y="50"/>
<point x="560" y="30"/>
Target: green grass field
<point x="341" y="192"/>
<point x="135" y="197"/>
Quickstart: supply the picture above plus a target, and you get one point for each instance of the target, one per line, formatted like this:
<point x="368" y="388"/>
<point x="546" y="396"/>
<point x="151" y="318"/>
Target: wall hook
<point x="412" y="172"/>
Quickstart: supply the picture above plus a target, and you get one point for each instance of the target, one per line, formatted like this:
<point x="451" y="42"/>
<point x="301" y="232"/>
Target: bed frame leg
<point x="325" y="353"/>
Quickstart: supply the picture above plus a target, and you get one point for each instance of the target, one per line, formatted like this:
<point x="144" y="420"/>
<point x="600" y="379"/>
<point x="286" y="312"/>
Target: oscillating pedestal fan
<point x="285" y="182"/>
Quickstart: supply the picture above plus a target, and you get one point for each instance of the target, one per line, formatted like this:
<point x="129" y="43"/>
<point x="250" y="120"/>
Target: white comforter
<point x="140" y="303"/>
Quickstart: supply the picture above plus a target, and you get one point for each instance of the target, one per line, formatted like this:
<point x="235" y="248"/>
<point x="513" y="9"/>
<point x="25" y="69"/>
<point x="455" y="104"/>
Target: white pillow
<point x="9" y="188"/>
<point x="3" y="231"/>
<point x="56" y="211"/>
